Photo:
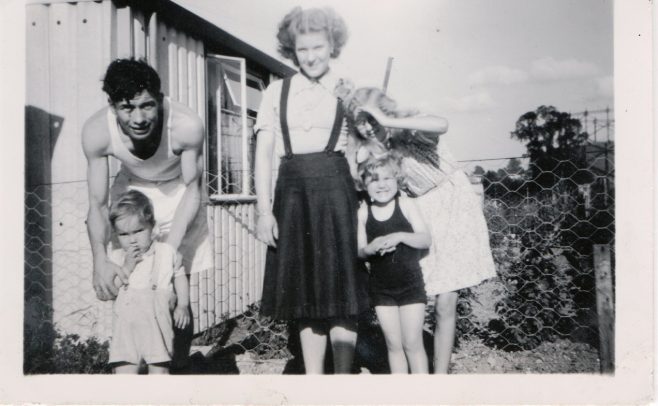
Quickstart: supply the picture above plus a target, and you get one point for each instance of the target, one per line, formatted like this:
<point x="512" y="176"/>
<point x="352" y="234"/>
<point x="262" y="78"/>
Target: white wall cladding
<point x="69" y="45"/>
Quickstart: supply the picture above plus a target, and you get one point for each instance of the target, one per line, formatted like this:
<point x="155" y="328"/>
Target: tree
<point x="555" y="143"/>
<point x="514" y="167"/>
<point x="478" y="170"/>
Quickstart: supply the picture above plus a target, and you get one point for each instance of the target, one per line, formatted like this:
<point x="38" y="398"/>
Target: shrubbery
<point x="46" y="351"/>
<point x="542" y="244"/>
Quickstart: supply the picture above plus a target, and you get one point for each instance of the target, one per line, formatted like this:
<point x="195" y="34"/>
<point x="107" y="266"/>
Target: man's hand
<point x="267" y="229"/>
<point x="181" y="317"/>
<point x="103" y="279"/>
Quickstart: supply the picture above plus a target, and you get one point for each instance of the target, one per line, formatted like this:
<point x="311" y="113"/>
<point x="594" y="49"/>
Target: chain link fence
<point x="543" y="222"/>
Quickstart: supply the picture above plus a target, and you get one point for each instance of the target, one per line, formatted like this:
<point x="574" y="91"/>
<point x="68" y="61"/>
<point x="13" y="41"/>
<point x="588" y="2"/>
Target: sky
<point x="479" y="63"/>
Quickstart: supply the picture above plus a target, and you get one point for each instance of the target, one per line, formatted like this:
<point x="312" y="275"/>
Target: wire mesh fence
<point x="543" y="222"/>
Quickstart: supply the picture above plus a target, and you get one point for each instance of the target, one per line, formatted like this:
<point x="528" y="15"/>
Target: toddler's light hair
<point x="132" y="203"/>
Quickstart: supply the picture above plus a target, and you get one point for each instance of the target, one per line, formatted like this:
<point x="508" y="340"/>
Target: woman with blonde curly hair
<point x="460" y="255"/>
<point x="312" y="273"/>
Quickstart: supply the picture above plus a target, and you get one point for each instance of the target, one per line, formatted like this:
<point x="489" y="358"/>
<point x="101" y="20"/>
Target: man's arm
<point x="181" y="312"/>
<point x="94" y="146"/>
<point x="189" y="138"/>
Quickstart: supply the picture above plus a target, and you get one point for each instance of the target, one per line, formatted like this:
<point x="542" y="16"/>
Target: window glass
<point x="231" y="144"/>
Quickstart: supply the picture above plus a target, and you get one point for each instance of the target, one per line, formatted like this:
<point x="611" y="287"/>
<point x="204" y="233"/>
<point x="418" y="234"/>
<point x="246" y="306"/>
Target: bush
<point x="537" y="278"/>
<point x="47" y="351"/>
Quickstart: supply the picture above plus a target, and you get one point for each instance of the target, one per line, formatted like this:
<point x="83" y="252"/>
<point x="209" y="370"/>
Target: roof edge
<point x="209" y="32"/>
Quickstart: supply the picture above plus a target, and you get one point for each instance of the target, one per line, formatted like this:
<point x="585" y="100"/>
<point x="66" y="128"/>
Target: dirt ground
<point x="236" y="351"/>
<point x="562" y="356"/>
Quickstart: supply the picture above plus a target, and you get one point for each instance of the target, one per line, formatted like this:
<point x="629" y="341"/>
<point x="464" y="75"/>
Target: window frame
<point x="246" y="166"/>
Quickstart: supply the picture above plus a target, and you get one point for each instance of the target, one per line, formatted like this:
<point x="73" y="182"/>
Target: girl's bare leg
<point x="412" y="318"/>
<point x="444" y="335"/>
<point x="343" y="342"/>
<point x="389" y="320"/>
<point x="314" y="345"/>
<point x="158" y="369"/>
<point x="126" y="368"/>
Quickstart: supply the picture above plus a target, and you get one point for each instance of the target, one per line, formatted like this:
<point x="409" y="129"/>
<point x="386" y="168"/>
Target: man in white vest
<point x="159" y="144"/>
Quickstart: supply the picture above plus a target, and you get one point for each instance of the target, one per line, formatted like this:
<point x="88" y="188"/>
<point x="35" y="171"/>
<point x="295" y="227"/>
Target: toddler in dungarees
<point x="392" y="237"/>
<point x="142" y="328"/>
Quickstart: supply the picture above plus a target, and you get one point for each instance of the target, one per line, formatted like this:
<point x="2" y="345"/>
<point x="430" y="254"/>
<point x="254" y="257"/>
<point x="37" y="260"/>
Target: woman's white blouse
<point x="311" y="113"/>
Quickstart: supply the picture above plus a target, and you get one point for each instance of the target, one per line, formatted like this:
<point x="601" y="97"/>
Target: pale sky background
<point x="479" y="63"/>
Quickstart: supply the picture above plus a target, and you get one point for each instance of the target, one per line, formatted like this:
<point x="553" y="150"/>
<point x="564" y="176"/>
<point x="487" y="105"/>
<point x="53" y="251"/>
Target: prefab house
<point x="221" y="77"/>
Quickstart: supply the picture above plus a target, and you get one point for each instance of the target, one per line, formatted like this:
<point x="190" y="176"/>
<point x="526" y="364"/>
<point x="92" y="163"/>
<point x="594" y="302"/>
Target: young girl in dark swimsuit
<point x="392" y="238"/>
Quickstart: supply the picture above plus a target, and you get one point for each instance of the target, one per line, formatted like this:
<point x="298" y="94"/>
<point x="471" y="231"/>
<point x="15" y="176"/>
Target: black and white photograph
<point x="460" y="215"/>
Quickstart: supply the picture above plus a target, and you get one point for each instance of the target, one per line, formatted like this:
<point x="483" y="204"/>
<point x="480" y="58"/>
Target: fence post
<point x="605" y="307"/>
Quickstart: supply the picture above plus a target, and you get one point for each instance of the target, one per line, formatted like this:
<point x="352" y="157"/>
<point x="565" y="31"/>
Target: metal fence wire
<point x="543" y="222"/>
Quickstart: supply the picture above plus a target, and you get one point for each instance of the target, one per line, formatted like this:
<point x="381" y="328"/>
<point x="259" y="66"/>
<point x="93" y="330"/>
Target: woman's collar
<point x="327" y="80"/>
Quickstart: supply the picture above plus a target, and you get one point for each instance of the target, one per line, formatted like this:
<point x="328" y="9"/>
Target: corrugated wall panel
<point x="124" y="33"/>
<point x="139" y="35"/>
<point x="69" y="45"/>
<point x="67" y="162"/>
<point x="238" y="257"/>
<point x="201" y="80"/>
<point x="224" y="258"/>
<point x="217" y="235"/>
<point x="162" y="55"/>
<point x="181" y="60"/>
<point x="38" y="116"/>
<point x="172" y="62"/>
<point x="38" y="237"/>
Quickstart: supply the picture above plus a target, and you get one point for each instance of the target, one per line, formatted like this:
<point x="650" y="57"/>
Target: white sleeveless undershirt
<point x="162" y="166"/>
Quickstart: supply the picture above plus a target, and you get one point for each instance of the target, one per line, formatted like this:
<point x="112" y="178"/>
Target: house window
<point x="234" y="95"/>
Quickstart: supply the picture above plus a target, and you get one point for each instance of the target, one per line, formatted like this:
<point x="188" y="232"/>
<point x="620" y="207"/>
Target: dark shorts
<point x="398" y="296"/>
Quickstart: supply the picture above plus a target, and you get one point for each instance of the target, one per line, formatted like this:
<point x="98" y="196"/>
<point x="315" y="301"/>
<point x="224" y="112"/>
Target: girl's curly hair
<point x="302" y="21"/>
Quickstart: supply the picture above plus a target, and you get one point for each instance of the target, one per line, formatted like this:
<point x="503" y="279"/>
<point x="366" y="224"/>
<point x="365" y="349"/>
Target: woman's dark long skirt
<point x="314" y="272"/>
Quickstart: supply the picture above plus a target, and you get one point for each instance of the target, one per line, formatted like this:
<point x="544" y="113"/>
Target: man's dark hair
<point x="125" y="78"/>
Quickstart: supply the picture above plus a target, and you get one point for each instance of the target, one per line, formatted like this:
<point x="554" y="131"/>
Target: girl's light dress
<point x="460" y="255"/>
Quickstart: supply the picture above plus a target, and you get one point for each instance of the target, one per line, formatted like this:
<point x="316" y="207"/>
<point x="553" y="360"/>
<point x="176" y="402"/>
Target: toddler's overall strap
<point x="283" y="115"/>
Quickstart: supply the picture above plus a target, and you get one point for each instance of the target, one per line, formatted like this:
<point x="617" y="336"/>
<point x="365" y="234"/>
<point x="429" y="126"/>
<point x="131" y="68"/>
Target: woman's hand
<point x="267" y="229"/>
<point x="181" y="317"/>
